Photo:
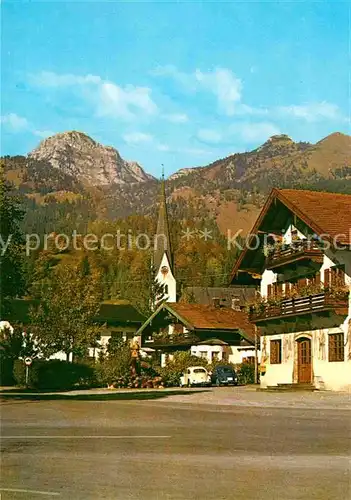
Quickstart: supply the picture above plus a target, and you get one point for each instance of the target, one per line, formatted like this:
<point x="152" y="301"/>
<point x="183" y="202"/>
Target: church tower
<point x="163" y="258"/>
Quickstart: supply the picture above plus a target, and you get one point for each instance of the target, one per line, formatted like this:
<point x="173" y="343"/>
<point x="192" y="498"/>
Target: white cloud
<point x="162" y="147"/>
<point x="15" y="122"/>
<point x="225" y="85"/>
<point x="221" y="82"/>
<point x="43" y="133"/>
<point x="176" y="117"/>
<point x="51" y="79"/>
<point x="210" y="136"/>
<point x="133" y="138"/>
<point x="109" y="99"/>
<point x="255" y="132"/>
<point x="115" y="101"/>
<point x="186" y="80"/>
<point x="311" y="112"/>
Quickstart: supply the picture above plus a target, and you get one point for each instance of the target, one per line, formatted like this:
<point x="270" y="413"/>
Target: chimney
<point x="236" y="303"/>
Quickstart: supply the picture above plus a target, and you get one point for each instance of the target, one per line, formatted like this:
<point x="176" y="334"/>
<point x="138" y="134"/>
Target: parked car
<point x="195" y="375"/>
<point x="224" y="375"/>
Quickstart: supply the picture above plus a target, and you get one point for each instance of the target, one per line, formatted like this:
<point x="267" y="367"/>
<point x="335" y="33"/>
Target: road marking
<point x="85" y="437"/>
<point x="35" y="492"/>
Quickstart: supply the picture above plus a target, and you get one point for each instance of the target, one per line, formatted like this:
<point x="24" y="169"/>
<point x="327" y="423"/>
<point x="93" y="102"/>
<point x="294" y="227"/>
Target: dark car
<point x="224" y="375"/>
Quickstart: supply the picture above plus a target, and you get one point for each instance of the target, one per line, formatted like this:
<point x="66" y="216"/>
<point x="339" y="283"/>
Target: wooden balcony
<point x="301" y="250"/>
<point x="312" y="304"/>
<point x="160" y="342"/>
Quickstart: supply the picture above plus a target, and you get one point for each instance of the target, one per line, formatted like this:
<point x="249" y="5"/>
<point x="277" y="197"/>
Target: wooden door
<point x="304" y="361"/>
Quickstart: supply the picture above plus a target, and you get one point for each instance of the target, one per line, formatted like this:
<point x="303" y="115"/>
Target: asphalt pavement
<point x="176" y="445"/>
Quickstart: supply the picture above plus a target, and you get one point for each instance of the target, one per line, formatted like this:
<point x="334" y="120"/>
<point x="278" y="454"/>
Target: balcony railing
<point x="299" y="250"/>
<point x="171" y="340"/>
<point x="299" y="306"/>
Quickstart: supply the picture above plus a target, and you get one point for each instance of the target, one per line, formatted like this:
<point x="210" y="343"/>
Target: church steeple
<point x="163" y="258"/>
<point x="162" y="236"/>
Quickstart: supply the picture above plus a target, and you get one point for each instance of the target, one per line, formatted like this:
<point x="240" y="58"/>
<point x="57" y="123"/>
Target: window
<point x="336" y="347"/>
<point x="276" y="352"/>
<point x="214" y="356"/>
<point x="203" y="354"/>
<point x="166" y="289"/>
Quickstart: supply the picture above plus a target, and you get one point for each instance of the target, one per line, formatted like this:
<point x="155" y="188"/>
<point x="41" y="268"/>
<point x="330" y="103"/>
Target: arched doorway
<point x="304" y="361"/>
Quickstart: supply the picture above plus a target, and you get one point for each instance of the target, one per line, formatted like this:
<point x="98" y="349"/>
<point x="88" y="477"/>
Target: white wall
<point x="207" y="351"/>
<point x="238" y="354"/>
<point x="167" y="279"/>
<point x="326" y="375"/>
<point x="330" y="259"/>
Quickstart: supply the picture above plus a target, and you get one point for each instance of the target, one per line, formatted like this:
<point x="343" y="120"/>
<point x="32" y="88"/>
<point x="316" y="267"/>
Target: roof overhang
<point x="276" y="215"/>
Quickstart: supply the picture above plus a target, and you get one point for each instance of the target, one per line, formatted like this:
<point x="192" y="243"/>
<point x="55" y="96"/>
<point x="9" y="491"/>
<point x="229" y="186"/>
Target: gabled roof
<point x="110" y="312"/>
<point x="328" y="215"/>
<point x="119" y="311"/>
<point x="325" y="213"/>
<point x="203" y="317"/>
<point x="205" y="295"/>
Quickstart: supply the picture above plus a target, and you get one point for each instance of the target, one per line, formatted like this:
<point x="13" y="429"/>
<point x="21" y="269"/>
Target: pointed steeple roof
<point x="162" y="242"/>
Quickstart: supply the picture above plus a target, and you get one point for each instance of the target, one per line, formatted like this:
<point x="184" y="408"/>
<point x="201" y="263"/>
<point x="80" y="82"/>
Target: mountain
<point x="71" y="177"/>
<point x="76" y="155"/>
<point x="278" y="162"/>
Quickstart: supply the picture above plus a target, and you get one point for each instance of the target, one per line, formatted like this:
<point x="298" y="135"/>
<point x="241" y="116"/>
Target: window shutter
<point x="317" y="279"/>
<point x="279" y="289"/>
<point x="269" y="291"/>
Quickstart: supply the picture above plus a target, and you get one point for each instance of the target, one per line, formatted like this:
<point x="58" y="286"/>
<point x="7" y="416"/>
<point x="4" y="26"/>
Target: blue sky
<point x="174" y="83"/>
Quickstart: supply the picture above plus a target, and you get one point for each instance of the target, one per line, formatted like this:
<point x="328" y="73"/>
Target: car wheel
<point x="218" y="382"/>
<point x="189" y="383"/>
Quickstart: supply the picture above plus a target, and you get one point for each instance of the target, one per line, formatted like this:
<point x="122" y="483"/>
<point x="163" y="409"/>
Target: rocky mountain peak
<point x="78" y="155"/>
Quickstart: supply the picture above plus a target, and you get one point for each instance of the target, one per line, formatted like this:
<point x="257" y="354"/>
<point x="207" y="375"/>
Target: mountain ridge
<point x="229" y="191"/>
<point x="78" y="155"/>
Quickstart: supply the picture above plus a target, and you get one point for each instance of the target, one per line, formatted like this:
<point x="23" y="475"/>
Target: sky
<point x="178" y="84"/>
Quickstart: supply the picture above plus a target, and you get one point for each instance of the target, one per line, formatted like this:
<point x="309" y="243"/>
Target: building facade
<point x="301" y="269"/>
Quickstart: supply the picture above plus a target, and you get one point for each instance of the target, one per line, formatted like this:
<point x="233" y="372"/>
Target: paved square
<point x="223" y="443"/>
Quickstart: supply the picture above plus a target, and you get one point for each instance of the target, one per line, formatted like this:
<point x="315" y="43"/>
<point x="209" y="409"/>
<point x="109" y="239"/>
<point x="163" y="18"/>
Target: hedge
<point x="54" y="374"/>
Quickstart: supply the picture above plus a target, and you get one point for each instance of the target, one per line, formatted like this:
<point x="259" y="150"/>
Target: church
<point x="163" y="257"/>
<point x="211" y="331"/>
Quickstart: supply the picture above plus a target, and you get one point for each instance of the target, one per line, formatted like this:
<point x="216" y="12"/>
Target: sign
<point x="28" y="361"/>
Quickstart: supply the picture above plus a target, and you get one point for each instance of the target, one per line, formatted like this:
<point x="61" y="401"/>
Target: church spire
<point x="162" y="243"/>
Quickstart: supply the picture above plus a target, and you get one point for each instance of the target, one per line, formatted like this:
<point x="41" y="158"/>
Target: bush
<point x="54" y="374"/>
<point x="6" y="371"/>
<point x="246" y="374"/>
<point x="114" y="367"/>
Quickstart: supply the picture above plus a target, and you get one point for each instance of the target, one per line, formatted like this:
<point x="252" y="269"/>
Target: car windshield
<point x="199" y="370"/>
<point x="226" y="371"/>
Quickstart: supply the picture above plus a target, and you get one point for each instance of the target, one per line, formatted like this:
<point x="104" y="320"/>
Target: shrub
<point x="54" y="374"/>
<point x="114" y="367"/>
<point x="246" y="374"/>
<point x="6" y="371"/>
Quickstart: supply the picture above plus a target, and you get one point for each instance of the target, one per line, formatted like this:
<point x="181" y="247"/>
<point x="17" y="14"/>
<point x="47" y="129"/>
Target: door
<point x="304" y="361"/>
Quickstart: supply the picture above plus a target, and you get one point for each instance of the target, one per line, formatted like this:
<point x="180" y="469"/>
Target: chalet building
<point x="298" y="258"/>
<point x="119" y="318"/>
<point x="204" y="330"/>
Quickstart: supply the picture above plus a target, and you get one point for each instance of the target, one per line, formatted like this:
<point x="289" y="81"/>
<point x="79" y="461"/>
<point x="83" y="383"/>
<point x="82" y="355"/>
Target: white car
<point x="195" y="375"/>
